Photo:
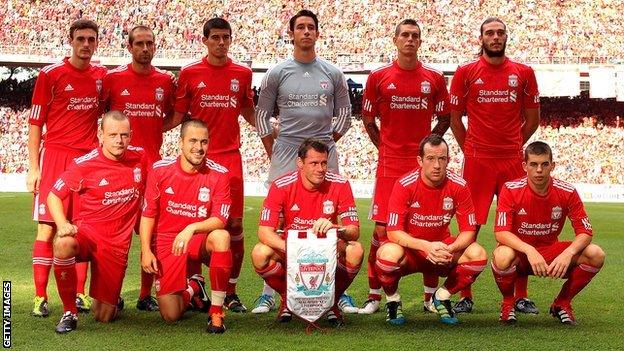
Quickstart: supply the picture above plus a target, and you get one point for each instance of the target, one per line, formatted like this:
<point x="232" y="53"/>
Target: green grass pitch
<point x="598" y="308"/>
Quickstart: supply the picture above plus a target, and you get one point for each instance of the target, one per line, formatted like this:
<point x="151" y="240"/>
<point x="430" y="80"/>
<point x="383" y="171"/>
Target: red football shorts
<point x="171" y="277"/>
<point x="486" y="177"/>
<point x="389" y="170"/>
<point x="416" y="261"/>
<point x="108" y="263"/>
<point x="52" y="163"/>
<point x="549" y="252"/>
<point x="233" y="162"/>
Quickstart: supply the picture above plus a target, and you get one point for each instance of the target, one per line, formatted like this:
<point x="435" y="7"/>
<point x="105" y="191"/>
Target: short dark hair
<point x="115" y="115"/>
<point x="216" y="23"/>
<point x="131" y="33"/>
<point x="83" y="24"/>
<point x="197" y="123"/>
<point x="315" y="144"/>
<point x="490" y="20"/>
<point x="537" y="148"/>
<point x="407" y="21"/>
<point x="302" y="13"/>
<point x="433" y="140"/>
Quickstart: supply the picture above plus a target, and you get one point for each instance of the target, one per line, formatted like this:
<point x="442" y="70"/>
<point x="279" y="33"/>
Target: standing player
<point x="405" y="95"/>
<point x="308" y="92"/>
<point x="530" y="216"/>
<point x="66" y="103"/>
<point x="420" y="209"/>
<point x="501" y="100"/>
<point x="217" y="90"/>
<point x="144" y="93"/>
<point x="187" y="205"/>
<point x="309" y="198"/>
<point x="109" y="181"/>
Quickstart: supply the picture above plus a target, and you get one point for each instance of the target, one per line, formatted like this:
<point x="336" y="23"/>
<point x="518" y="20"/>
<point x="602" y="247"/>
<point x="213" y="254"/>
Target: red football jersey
<point x="66" y="100"/>
<point x="110" y="193"/>
<point x="425" y="212"/>
<point x="176" y="198"/>
<point x="146" y="99"/>
<point x="405" y="102"/>
<point x="216" y="95"/>
<point x="493" y="96"/>
<point x="301" y="207"/>
<point x="536" y="219"/>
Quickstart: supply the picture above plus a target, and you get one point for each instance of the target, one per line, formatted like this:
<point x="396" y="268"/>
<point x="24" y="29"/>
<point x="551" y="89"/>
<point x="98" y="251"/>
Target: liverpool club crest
<point x="234" y="85"/>
<point x="328" y="207"/>
<point x="513" y="80"/>
<point x="312" y="279"/>
<point x="98" y="85"/>
<point x="447" y="203"/>
<point x="204" y="194"/>
<point x="556" y="212"/>
<point x="160" y="94"/>
<point x="425" y="87"/>
<point x="137" y="175"/>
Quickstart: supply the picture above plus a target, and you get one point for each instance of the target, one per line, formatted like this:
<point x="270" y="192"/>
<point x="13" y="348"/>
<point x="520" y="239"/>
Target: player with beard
<point x="144" y="94"/>
<point x="501" y="101"/>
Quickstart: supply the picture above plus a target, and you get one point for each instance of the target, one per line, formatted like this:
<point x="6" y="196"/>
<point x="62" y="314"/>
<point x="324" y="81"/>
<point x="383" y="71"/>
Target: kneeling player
<point x="187" y="204"/>
<point x="308" y="198"/>
<point x="420" y="209"/>
<point x="109" y="181"/>
<point x="530" y="215"/>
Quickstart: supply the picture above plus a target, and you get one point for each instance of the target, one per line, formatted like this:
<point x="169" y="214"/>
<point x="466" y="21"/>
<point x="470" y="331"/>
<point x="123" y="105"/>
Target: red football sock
<point x="578" y="278"/>
<point x="65" y="274"/>
<point x="220" y="268"/>
<point x="373" y="282"/>
<point x="506" y="280"/>
<point x="389" y="274"/>
<point x="345" y="273"/>
<point x="237" y="246"/>
<point x="464" y="275"/>
<point x="42" y="258"/>
<point x="522" y="283"/>
<point x="430" y="282"/>
<point x="192" y="289"/>
<point x="275" y="277"/>
<point x="81" y="276"/>
<point x="147" y="280"/>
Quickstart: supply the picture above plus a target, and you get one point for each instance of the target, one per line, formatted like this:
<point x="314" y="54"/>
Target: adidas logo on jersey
<point x="306" y="75"/>
<point x="415" y="205"/>
<point x="295" y="208"/>
<point x="479" y="81"/>
<point x="169" y="191"/>
<point x="125" y="92"/>
<point x="201" y="85"/>
<point x="391" y="86"/>
<point x="103" y="182"/>
<point x="69" y="88"/>
<point x="522" y="212"/>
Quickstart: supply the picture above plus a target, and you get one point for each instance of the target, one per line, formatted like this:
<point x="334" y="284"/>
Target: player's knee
<point x="65" y="247"/>
<point x="476" y="252"/>
<point x="390" y="252"/>
<point x="104" y="313"/>
<point x="219" y="240"/>
<point x="169" y="316"/>
<point x="503" y="257"/>
<point x="45" y="232"/>
<point x="260" y="255"/>
<point x="595" y="255"/>
<point x="354" y="252"/>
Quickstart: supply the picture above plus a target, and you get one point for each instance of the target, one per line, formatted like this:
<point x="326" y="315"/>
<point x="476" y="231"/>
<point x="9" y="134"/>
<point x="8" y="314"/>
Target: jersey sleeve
<point x="531" y="92"/>
<point x="42" y="96"/>
<point x="342" y="105"/>
<point x="170" y="97"/>
<point x="249" y="94"/>
<point x="70" y="181"/>
<point x="398" y="208"/>
<point x="459" y="91"/>
<point x="221" y="200"/>
<point x="346" y="206"/>
<point x="466" y="219"/>
<point x="266" y="102"/>
<point x="183" y="93"/>
<point x="505" y="211"/>
<point x="441" y="98"/>
<point x="152" y="195"/>
<point x="370" y="105"/>
<point x="272" y="207"/>
<point x="578" y="216"/>
<point x="106" y="91"/>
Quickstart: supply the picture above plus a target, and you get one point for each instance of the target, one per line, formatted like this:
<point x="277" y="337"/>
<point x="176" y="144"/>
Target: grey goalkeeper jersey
<point x="308" y="96"/>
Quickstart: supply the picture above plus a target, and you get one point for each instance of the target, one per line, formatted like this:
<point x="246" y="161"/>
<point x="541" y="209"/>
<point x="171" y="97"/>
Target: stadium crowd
<point x="352" y="32"/>
<point x="587" y="149"/>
